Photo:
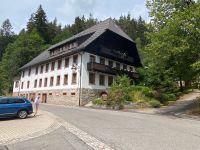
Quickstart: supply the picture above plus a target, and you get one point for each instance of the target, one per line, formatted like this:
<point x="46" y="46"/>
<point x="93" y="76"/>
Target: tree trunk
<point x="181" y="85"/>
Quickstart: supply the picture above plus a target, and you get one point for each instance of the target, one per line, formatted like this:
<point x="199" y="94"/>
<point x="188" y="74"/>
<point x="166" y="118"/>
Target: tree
<point x="25" y="48"/>
<point x="174" y="46"/>
<point x="6" y="36"/>
<point x="39" y="22"/>
<point x="78" y="26"/>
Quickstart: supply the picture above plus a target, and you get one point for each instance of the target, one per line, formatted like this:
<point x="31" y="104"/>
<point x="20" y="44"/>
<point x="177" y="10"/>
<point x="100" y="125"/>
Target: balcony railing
<point x="93" y="66"/>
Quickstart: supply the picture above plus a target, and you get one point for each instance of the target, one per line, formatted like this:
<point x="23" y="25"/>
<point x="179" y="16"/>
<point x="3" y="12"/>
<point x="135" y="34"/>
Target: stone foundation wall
<point x="90" y="94"/>
<point x="68" y="97"/>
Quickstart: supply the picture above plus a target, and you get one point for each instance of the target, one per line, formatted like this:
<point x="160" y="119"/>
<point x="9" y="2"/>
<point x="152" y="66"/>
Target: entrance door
<point x="44" y="98"/>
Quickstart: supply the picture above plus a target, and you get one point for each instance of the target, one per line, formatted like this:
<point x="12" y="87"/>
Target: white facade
<point x="61" y="72"/>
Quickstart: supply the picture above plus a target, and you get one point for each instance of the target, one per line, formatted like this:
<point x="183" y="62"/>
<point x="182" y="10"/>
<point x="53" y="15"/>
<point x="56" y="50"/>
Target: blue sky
<point x="19" y="11"/>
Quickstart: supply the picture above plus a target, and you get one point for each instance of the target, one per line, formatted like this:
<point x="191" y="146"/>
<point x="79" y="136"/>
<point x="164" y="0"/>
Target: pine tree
<point x="6" y="36"/>
<point x="39" y="22"/>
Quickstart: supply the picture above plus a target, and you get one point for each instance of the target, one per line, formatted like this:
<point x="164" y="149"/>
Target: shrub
<point x="137" y="96"/>
<point x="171" y="97"/>
<point x="99" y="101"/>
<point x="155" y="103"/>
<point x="119" y="92"/>
<point x="143" y="89"/>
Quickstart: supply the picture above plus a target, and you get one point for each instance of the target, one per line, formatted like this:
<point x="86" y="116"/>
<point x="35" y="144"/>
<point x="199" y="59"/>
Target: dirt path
<point x="178" y="108"/>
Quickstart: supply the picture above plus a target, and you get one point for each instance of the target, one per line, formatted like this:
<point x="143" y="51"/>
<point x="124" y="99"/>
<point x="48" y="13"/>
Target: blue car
<point x="15" y="107"/>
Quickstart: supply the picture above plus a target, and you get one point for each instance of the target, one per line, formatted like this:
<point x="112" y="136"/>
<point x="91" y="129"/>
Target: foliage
<point x="173" y="46"/>
<point x="99" y="101"/>
<point x="118" y="94"/>
<point x="25" y="48"/>
<point x="6" y="36"/>
<point x="155" y="103"/>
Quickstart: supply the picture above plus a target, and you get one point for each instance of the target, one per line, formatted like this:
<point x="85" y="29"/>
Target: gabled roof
<point x="95" y="32"/>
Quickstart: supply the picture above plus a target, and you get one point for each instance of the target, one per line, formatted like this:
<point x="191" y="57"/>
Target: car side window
<point x="16" y="100"/>
<point x="3" y="101"/>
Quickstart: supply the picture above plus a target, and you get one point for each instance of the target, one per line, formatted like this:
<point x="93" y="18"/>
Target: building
<point x="77" y="69"/>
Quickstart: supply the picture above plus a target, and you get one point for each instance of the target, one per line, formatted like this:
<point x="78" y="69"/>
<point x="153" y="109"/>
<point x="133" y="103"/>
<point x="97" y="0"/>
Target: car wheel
<point x="22" y="114"/>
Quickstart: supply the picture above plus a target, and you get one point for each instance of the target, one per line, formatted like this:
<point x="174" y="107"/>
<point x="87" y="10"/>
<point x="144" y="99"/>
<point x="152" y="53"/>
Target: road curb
<point x="3" y="147"/>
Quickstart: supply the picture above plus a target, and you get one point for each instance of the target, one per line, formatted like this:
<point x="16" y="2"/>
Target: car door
<point x="3" y="106"/>
<point x="14" y="104"/>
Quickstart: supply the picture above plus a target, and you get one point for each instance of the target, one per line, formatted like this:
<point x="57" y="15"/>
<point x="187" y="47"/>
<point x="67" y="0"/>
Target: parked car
<point x="15" y="107"/>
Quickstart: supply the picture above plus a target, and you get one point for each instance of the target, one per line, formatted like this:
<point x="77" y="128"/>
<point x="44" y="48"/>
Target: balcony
<point x="93" y="66"/>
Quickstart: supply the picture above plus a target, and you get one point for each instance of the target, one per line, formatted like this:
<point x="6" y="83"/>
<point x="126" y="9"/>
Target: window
<point x="125" y="67"/>
<point x="66" y="47"/>
<point x="29" y="72"/>
<point x="40" y="83"/>
<point x="65" y="79"/>
<point x="73" y="93"/>
<point x="22" y="85"/>
<point x="28" y="84"/>
<point x="36" y="70"/>
<point x="41" y="69"/>
<point x="102" y="60"/>
<point x="131" y="69"/>
<point x="110" y="80"/>
<point x="70" y="46"/>
<point x="75" y="59"/>
<point x="66" y="62"/>
<point x="101" y="79"/>
<point x="22" y="74"/>
<point x="74" y="77"/>
<point x="64" y="93"/>
<point x="51" y="81"/>
<point x="35" y="84"/>
<point x="52" y="66"/>
<point x="92" y="58"/>
<point x="3" y="101"/>
<point x="59" y="64"/>
<point x="118" y="66"/>
<point x="91" y="78"/>
<point x="110" y="63"/>
<point x="75" y="44"/>
<point x="45" y="82"/>
<point x="50" y="94"/>
<point x="58" y="81"/>
<point x="16" y="84"/>
<point x="15" y="100"/>
<point x="47" y="68"/>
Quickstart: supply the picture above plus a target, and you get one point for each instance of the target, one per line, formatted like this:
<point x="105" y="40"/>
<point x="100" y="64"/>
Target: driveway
<point x="131" y="131"/>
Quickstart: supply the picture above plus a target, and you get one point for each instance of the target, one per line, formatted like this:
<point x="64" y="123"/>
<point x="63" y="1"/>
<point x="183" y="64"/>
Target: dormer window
<point x="70" y="46"/>
<point x="75" y="44"/>
<point x="66" y="47"/>
<point x="22" y="74"/>
<point x="75" y="59"/>
<point x="29" y="72"/>
<point x="59" y="64"/>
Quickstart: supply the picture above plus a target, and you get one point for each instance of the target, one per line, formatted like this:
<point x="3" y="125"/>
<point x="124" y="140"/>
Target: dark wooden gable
<point x="116" y="47"/>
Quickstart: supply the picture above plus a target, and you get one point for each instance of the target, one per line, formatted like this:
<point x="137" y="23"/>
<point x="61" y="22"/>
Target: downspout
<point x="80" y="88"/>
<point x="19" y="85"/>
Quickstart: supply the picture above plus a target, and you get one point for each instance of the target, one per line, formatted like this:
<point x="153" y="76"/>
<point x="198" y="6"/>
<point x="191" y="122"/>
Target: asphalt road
<point x="132" y="131"/>
<point x="59" y="139"/>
